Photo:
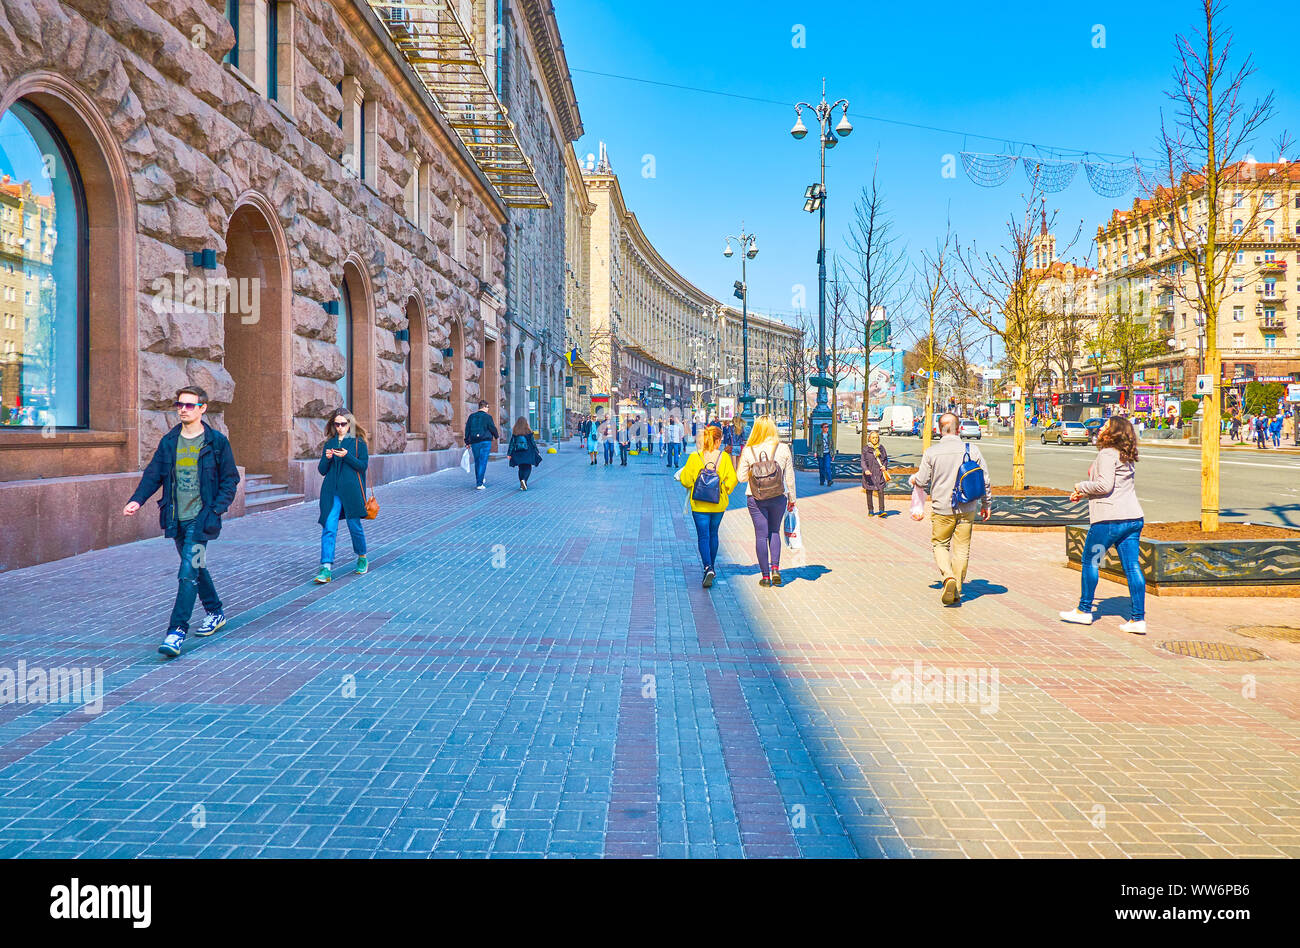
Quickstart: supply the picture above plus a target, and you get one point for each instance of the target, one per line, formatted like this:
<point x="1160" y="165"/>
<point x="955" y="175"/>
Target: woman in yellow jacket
<point x="708" y="516"/>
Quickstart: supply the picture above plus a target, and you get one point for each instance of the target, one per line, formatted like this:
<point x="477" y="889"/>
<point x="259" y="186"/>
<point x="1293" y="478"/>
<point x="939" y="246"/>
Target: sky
<point x="1083" y="77"/>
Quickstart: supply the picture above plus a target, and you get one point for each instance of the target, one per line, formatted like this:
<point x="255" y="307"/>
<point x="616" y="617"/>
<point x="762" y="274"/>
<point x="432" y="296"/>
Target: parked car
<point x="970" y="428"/>
<point x="873" y="424"/>
<point x="783" y="430"/>
<point x="1065" y="432"/>
<point x="1094" y="426"/>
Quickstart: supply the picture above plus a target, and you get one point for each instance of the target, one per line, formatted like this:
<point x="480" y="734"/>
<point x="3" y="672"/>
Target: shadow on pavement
<point x="975" y="588"/>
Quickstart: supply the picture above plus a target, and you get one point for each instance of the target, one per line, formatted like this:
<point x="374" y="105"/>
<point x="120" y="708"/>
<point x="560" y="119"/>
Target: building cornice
<point x="545" y="34"/>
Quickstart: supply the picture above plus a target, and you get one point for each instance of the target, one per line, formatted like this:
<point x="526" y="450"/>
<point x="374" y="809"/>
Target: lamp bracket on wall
<point x="206" y="259"/>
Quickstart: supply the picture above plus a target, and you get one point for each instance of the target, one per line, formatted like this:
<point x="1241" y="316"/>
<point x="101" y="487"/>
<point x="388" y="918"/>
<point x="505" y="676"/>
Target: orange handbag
<point x="372" y="505"/>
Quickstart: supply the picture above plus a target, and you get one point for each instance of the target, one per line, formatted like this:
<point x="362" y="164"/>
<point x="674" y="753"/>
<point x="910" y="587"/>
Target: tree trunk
<point x="1018" y="427"/>
<point x="926" y="423"/>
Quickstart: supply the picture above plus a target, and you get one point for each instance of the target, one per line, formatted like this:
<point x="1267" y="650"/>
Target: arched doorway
<point x="417" y="376"/>
<point x="256" y="340"/>
<point x="458" y="357"/>
<point x="490" y="375"/>
<point x="357" y="316"/>
<point x="518" y="386"/>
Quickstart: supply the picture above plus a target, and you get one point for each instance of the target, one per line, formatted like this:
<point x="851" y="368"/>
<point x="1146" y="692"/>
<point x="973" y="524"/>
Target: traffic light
<point x="911" y="380"/>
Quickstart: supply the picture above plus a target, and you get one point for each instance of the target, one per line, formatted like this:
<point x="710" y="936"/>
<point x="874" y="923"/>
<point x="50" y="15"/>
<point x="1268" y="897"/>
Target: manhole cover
<point x="1279" y="633"/>
<point x="1215" y="651"/>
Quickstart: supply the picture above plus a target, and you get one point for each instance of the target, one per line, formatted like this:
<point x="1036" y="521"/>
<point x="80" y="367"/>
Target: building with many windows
<point x="295" y="204"/>
<point x="654" y="339"/>
<point x="1141" y="258"/>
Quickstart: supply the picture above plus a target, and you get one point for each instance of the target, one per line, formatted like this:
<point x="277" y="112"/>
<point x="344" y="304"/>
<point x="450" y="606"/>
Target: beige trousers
<point x="952" y="530"/>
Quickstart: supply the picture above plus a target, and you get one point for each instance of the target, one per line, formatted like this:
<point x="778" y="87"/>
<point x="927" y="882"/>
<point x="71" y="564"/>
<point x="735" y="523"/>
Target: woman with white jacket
<point x="768" y="514"/>
<point x="1116" y="520"/>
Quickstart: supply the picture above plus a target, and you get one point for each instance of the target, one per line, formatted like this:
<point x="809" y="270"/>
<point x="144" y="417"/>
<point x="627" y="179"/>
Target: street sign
<point x="992" y="374"/>
<point x="1015" y="393"/>
<point x="1293" y="392"/>
<point x="1204" y="384"/>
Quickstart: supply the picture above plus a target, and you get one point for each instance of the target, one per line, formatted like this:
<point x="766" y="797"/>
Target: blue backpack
<point x="708" y="486"/>
<point x="970" y="482"/>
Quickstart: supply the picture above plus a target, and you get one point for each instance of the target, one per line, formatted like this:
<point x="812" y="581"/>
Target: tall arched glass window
<point x="1237" y="226"/>
<point x="344" y="338"/>
<point x="1269" y="230"/>
<point x="42" y="275"/>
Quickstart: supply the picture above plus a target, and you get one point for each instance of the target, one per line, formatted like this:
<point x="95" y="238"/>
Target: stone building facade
<point x="534" y="83"/>
<point x="653" y="334"/>
<point x="289" y="221"/>
<point x="577" y="287"/>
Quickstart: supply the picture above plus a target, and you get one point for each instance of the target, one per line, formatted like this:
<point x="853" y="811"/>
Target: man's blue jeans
<point x="674" y="454"/>
<point x="481" y="450"/>
<point x="609" y="452"/>
<point x="194" y="580"/>
<point x="825" y="470"/>
<point x="1123" y="536"/>
<point x="706" y="533"/>
<point x="331" y="531"/>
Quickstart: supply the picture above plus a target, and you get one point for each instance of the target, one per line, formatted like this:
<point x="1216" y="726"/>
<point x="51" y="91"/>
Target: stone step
<point x="260" y="487"/>
<point x="262" y="501"/>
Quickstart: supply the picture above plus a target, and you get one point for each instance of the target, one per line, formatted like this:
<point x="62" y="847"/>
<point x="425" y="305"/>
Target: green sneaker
<point x="324" y="575"/>
<point x="362" y="564"/>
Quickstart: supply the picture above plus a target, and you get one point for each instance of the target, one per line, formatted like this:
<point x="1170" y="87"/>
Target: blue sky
<point x="987" y="70"/>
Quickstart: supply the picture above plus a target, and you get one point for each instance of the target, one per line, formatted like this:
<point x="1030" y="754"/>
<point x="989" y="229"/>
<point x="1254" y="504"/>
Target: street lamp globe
<point x="752" y="252"/>
<point x="830" y="141"/>
<point x="799" y="130"/>
<point x="844" y="129"/>
<point x="727" y="251"/>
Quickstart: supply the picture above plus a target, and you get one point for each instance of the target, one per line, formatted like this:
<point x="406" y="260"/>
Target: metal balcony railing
<point x="441" y="52"/>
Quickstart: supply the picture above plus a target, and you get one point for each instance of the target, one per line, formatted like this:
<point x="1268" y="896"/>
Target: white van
<point x="896" y="419"/>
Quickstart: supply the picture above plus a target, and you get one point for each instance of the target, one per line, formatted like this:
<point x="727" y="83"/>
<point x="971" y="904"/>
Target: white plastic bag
<point x="918" y="503"/>
<point x="793" y="536"/>
<point x="467" y="462"/>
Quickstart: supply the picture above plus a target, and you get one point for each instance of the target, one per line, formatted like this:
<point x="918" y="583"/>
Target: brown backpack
<point x="766" y="478"/>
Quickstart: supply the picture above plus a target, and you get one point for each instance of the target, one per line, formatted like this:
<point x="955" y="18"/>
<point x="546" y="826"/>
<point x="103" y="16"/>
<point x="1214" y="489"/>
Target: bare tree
<point x="878" y="261"/>
<point x="936" y="313"/>
<point x="1204" y="147"/>
<point x="1122" y="336"/>
<point x="1003" y="292"/>
<point x="839" y="333"/>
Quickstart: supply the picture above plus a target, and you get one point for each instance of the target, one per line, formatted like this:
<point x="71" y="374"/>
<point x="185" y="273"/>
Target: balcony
<point x="1272" y="324"/>
<point x="1273" y="266"/>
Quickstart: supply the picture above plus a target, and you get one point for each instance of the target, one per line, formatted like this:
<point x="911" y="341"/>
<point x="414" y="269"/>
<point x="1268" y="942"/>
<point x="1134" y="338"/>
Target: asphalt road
<point x="1260" y="487"/>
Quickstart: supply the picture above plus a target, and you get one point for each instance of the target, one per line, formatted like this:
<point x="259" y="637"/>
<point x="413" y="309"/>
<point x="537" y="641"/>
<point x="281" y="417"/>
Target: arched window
<point x="43" y="239"/>
<point x="1237" y="226"/>
<point x="1268" y="230"/>
<point x="344" y="339"/>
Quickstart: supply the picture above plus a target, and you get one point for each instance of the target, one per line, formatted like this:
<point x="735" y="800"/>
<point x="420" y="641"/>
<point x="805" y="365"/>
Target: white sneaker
<point x="1136" y="628"/>
<point x="1077" y="617"/>
<point x="480" y="487"/>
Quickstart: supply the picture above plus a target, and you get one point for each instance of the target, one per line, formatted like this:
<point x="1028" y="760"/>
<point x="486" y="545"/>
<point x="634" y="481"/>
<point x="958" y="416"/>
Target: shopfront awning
<point x="437" y="46"/>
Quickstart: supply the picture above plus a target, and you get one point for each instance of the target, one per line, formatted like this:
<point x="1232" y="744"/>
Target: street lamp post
<point x="749" y="250"/>
<point x="815" y="200"/>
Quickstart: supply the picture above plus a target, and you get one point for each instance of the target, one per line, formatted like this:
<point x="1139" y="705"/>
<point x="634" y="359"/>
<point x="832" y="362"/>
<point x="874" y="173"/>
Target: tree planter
<point x="1269" y="567"/>
<point x="844" y="466"/>
<point x="1045" y="509"/>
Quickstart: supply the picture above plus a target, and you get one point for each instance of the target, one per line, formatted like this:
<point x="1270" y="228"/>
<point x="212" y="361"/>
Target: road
<point x="1254" y="486"/>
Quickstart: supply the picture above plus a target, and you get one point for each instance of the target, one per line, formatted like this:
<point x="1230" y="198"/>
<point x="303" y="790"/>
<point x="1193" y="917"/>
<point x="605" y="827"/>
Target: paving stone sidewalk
<point x="540" y="674"/>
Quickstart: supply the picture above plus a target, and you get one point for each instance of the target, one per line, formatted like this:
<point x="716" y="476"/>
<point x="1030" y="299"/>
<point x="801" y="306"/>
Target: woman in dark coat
<point x="523" y="451"/>
<point x="875" y="472"/>
<point x="343" y="461"/>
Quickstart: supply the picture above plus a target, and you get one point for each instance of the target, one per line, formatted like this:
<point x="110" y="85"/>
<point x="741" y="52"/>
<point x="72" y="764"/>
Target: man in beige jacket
<point x="950" y="529"/>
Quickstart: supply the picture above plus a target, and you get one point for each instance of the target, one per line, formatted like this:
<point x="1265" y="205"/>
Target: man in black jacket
<point x="195" y="467"/>
<point x="480" y="432"/>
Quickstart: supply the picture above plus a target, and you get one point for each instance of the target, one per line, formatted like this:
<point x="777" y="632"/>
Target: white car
<point x="783" y="430"/>
<point x="969" y="428"/>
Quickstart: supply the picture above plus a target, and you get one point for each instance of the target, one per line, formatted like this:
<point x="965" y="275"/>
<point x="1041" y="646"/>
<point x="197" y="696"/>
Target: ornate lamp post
<point x="749" y="247"/>
<point x="815" y="200"/>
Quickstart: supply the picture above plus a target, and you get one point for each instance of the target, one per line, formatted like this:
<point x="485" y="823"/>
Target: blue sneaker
<point x="211" y="622"/>
<point x="171" y="645"/>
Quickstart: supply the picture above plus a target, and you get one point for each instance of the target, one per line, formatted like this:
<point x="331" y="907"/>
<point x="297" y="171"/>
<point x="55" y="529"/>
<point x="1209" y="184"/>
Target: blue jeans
<point x="826" y="473"/>
<point x="706" y="532"/>
<point x="480" y="450"/>
<point x="331" y="531"/>
<point x="674" y="454"/>
<point x="609" y="452"/>
<point x="1123" y="536"/>
<point x="194" y="580"/>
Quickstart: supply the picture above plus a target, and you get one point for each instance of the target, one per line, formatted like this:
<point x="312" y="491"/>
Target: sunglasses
<point x="186" y="406"/>
<point x="341" y="424"/>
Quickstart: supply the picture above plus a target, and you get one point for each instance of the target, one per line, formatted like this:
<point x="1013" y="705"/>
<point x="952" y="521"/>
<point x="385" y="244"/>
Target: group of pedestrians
<point x="1262" y="429"/>
<point x="604" y="433"/>
<point x="194" y="466"/>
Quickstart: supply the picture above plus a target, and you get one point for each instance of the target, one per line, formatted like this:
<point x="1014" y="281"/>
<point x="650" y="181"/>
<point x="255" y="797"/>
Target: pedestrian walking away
<point x="875" y="472"/>
<point x="343" y="463"/>
<point x="624" y="444"/>
<point x="824" y="448"/>
<point x="195" y="467"/>
<point x="767" y="470"/>
<point x="737" y="436"/>
<point x="676" y="437"/>
<point x="480" y="432"/>
<point x="523" y="450"/>
<point x="709" y="480"/>
<point x="593" y="443"/>
<point x="951" y="516"/>
<point x="607" y="440"/>
<point x="1115" y="520"/>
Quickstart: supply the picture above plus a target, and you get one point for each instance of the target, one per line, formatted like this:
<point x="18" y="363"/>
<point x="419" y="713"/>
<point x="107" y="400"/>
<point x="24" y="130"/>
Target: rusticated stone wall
<point x="200" y="143"/>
